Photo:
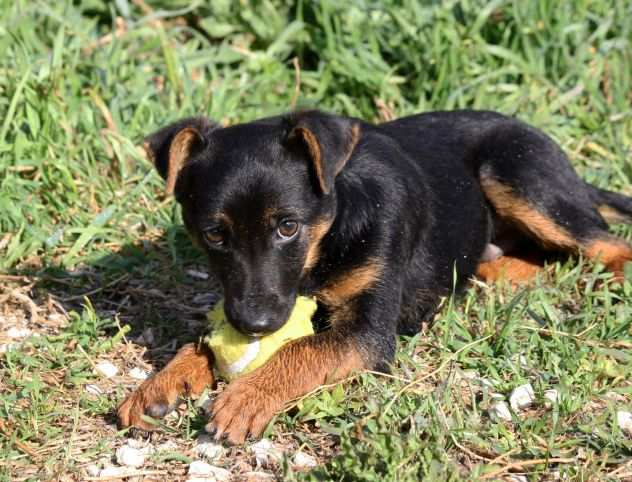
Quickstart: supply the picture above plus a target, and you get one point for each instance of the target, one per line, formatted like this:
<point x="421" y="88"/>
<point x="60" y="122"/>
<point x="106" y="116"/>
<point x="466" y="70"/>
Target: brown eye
<point x="287" y="229"/>
<point x="214" y="236"/>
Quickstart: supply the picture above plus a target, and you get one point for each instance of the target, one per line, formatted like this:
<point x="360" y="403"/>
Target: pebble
<point x="551" y="395"/>
<point x="200" y="469"/>
<point x="207" y="448"/>
<point x="522" y="397"/>
<point x="624" y="420"/>
<point x="130" y="456"/>
<point x="5" y="347"/>
<point x="15" y="332"/>
<point x="138" y="373"/>
<point x="93" y="389"/>
<point x="114" y="472"/>
<point x="93" y="470"/>
<point x="106" y="369"/>
<point x="220" y="474"/>
<point x="257" y="476"/>
<point x="301" y="459"/>
<point x="265" y="451"/>
<point x="500" y="410"/>
<point x="193" y="273"/>
<point x="140" y="444"/>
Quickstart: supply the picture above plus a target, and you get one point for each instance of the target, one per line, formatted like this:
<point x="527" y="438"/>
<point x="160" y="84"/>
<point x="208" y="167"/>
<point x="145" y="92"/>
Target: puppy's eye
<point x="214" y="236"/>
<point x="287" y="229"/>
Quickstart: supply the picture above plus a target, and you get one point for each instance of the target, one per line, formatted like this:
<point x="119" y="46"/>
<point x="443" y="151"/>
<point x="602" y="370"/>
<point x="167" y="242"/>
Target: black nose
<point x="258" y="326"/>
<point x="254" y="319"/>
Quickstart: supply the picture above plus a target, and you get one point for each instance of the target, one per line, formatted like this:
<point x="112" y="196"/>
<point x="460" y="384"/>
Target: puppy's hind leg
<point x="532" y="187"/>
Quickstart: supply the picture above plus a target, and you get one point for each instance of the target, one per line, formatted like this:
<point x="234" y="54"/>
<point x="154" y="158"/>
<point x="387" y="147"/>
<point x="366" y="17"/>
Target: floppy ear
<point x="171" y="147"/>
<point x="329" y="141"/>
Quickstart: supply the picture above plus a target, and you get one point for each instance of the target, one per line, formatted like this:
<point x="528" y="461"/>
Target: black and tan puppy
<point x="375" y="221"/>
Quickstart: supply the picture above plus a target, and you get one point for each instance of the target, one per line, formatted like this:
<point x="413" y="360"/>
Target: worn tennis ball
<point x="237" y="354"/>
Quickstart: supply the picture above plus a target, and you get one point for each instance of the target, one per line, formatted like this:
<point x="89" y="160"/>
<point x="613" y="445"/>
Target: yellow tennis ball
<point x="237" y="354"/>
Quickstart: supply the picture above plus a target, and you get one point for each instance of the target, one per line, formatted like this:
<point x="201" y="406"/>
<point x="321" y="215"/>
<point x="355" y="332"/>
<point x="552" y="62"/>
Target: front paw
<point x="243" y="409"/>
<point x="156" y="397"/>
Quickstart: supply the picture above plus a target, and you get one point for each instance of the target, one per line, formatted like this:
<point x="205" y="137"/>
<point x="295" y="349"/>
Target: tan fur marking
<point x="314" y="151"/>
<point x="526" y="217"/>
<point x="613" y="253"/>
<point x="316" y="234"/>
<point x="515" y="270"/>
<point x="611" y="215"/>
<point x="349" y="285"/>
<point x="248" y="403"/>
<point x="353" y="141"/>
<point x="316" y="154"/>
<point x="179" y="152"/>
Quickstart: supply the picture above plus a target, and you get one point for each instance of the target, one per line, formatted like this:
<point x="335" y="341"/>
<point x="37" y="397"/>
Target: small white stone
<point x="551" y="395"/>
<point x="93" y="389"/>
<point x="301" y="459"/>
<point x="193" y="273"/>
<point x="200" y="468"/>
<point x="106" y="369"/>
<point x="15" y="332"/>
<point x="522" y="397"/>
<point x="138" y="373"/>
<point x="265" y="451"/>
<point x="500" y="410"/>
<point x="113" y="472"/>
<point x="5" y="347"/>
<point x="221" y="474"/>
<point x="257" y="475"/>
<point x="130" y="456"/>
<point x="93" y="470"/>
<point x="141" y="445"/>
<point x="207" y="448"/>
<point x="624" y="420"/>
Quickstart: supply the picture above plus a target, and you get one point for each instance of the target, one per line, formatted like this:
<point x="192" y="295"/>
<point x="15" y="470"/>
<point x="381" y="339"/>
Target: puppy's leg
<point x="556" y="223"/>
<point x="613" y="252"/>
<point x="517" y="268"/>
<point x="188" y="373"/>
<point x="248" y="403"/>
<point x="362" y="339"/>
<point x="533" y="187"/>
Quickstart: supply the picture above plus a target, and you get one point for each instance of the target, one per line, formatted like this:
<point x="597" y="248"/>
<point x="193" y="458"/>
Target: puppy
<point x="378" y="222"/>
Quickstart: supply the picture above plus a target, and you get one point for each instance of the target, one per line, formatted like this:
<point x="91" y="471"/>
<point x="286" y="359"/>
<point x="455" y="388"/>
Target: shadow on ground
<point x="161" y="288"/>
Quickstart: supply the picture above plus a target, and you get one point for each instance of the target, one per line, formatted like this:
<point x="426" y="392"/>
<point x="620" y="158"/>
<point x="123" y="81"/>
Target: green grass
<point x="91" y="245"/>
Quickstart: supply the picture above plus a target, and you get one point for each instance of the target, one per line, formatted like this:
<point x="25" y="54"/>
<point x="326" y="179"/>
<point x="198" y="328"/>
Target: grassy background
<point x="93" y="254"/>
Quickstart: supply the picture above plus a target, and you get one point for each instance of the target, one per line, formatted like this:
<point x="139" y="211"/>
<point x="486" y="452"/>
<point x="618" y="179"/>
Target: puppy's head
<point x="258" y="198"/>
